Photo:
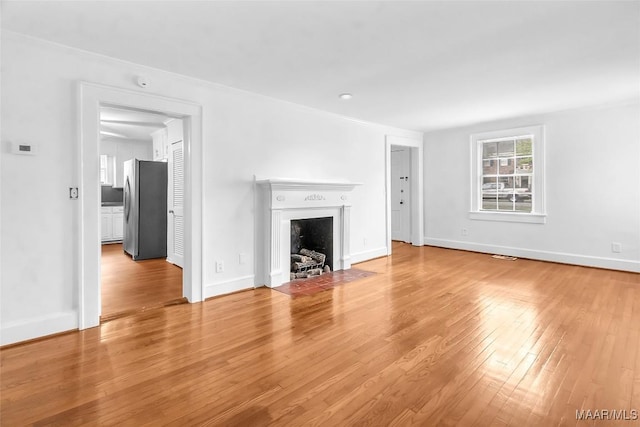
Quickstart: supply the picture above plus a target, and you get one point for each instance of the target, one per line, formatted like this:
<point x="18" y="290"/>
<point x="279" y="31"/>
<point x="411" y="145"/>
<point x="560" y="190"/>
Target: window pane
<point x="506" y="166"/>
<point x="489" y="204"/>
<point x="523" y="147"/>
<point x="522" y="184"/>
<point x="489" y="150"/>
<point x="505" y="184"/>
<point x="487" y="180"/>
<point x="505" y="148"/>
<point x="489" y="167"/>
<point x="505" y="204"/>
<point x="523" y="203"/>
<point x="489" y="193"/>
<point x="524" y="165"/>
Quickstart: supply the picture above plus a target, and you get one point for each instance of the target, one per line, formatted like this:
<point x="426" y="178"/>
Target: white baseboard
<point x="22" y="330"/>
<point x="228" y="286"/>
<point x="367" y="255"/>
<point x="561" y="257"/>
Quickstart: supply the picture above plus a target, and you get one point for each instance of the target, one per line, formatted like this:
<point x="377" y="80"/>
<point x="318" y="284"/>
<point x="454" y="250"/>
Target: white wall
<point x="142" y="150"/>
<point x="592" y="190"/>
<point x="122" y="150"/>
<point x="244" y="135"/>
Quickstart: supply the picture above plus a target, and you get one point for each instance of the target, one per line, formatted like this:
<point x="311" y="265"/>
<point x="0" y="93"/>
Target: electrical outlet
<point x="364" y="242"/>
<point x="242" y="258"/>
<point x="219" y="266"/>
<point x="464" y="232"/>
<point x="73" y="193"/>
<point x="616" y="247"/>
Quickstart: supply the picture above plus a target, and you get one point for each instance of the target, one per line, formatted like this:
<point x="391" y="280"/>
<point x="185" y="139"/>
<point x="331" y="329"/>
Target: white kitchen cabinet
<point x="112" y="224"/>
<point x="118" y="223"/>
<point x="106" y="229"/>
<point x="159" y="144"/>
<point x="174" y="133"/>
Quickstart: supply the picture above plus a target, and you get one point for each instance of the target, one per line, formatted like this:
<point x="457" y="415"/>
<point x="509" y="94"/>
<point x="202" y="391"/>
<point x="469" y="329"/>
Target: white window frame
<point x="538" y="213"/>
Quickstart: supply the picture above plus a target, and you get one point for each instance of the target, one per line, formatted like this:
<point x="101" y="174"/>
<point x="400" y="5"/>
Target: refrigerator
<point x="145" y="209"/>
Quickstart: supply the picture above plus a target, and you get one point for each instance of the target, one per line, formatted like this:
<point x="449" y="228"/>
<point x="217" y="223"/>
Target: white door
<point x="175" y="202"/>
<point x="400" y="194"/>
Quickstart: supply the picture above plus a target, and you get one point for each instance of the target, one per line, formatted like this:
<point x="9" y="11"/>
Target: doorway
<point x="91" y="98"/>
<point x="404" y="159"/>
<point x="137" y="268"/>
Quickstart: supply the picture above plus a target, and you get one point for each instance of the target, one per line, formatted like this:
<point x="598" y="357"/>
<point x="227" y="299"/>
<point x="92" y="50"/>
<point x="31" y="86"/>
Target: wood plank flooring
<point x="437" y="337"/>
<point x="128" y="286"/>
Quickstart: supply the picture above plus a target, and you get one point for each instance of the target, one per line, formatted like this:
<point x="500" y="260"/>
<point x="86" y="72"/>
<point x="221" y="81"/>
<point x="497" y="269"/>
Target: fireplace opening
<point x="311" y="247"/>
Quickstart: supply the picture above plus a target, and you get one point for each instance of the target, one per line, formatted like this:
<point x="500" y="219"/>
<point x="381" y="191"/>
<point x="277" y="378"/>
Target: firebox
<point x="311" y="247"/>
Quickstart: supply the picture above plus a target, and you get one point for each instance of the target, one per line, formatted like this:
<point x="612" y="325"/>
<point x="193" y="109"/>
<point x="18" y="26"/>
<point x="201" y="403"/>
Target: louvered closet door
<point x="175" y="235"/>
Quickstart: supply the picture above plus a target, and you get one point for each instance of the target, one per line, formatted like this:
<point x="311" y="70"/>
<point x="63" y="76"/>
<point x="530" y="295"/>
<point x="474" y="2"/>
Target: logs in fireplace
<point x="308" y="263"/>
<point x="311" y="247"/>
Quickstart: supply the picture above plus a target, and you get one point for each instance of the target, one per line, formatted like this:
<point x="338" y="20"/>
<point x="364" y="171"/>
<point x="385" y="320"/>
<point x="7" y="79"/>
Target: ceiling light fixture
<point x="345" y="96"/>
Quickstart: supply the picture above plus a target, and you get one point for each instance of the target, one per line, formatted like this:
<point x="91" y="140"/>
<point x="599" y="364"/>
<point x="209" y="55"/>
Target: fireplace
<point x="320" y="207"/>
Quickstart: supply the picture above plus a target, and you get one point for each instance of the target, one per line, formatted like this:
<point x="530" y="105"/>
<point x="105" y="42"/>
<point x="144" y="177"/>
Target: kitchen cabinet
<point x="118" y="223"/>
<point x="112" y="223"/>
<point x="159" y="144"/>
<point x="174" y="134"/>
<point x="106" y="228"/>
<point x="163" y="138"/>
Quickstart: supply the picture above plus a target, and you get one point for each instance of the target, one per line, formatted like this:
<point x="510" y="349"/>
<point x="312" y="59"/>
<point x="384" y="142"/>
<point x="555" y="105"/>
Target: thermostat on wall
<point x="23" y="148"/>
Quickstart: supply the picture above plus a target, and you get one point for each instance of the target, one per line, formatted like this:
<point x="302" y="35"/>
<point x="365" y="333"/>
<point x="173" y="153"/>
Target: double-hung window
<point x="508" y="175"/>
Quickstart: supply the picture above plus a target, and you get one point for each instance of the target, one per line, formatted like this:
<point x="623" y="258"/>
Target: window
<point x="508" y="175"/>
<point x="103" y="169"/>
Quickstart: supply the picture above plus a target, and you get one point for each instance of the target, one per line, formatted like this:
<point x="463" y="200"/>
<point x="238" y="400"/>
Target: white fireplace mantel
<point x="294" y="184"/>
<point x="279" y="201"/>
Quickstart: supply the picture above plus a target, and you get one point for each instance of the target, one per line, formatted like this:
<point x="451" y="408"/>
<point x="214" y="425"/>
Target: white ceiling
<point x="121" y="123"/>
<point x="419" y="65"/>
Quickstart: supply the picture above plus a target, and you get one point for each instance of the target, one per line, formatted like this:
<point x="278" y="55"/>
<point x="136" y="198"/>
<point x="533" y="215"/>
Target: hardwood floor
<point x="128" y="286"/>
<point x="437" y="337"/>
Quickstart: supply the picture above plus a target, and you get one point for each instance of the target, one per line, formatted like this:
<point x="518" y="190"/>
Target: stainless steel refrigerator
<point x="145" y="209"/>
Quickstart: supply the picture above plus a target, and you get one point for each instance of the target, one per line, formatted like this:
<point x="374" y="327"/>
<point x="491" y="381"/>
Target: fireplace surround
<point x="280" y="201"/>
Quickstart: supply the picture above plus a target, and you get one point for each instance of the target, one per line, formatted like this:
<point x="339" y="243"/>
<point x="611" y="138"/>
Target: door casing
<point x="417" y="187"/>
<point x="90" y="97"/>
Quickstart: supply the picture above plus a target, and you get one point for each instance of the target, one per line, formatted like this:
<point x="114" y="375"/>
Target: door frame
<point x="417" y="187"/>
<point x="90" y="97"/>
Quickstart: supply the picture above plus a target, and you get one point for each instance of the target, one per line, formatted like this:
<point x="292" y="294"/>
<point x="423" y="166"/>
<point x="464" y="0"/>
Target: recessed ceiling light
<point x="345" y="96"/>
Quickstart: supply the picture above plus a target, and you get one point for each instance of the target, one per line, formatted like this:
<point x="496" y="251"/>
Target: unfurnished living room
<point x="252" y="213"/>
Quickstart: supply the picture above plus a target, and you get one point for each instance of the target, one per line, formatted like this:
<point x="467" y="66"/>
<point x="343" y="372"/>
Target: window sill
<point x="529" y="218"/>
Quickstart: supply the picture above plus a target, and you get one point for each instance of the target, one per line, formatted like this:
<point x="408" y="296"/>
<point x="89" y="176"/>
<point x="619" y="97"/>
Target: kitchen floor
<point x="129" y="286"/>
